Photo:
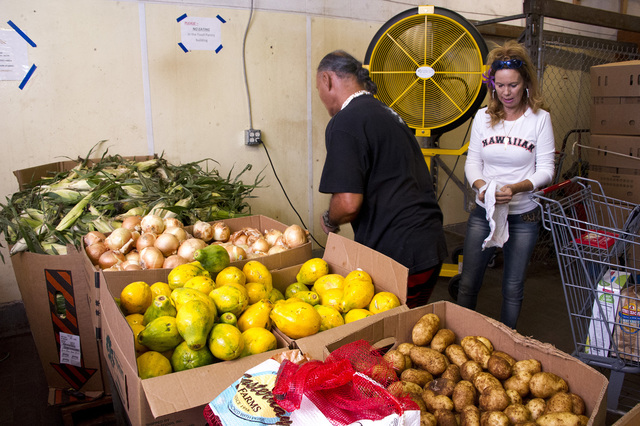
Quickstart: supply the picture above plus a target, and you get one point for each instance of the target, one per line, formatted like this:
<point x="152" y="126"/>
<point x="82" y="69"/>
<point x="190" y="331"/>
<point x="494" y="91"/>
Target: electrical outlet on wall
<point x="252" y="137"/>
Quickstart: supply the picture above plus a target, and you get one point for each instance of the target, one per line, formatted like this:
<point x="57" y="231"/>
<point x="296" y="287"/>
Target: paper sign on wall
<point x="201" y="33"/>
<point x="14" y="61"/>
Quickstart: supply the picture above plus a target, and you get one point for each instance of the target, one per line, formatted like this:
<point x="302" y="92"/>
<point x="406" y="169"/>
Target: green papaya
<point x="194" y="321"/>
<point x="161" y="306"/>
<point x="214" y="258"/>
<point x="185" y="358"/>
<point x="161" y="334"/>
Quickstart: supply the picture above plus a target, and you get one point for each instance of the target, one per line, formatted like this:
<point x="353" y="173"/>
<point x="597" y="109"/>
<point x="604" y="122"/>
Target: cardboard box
<point x="582" y="379"/>
<point x="623" y="184"/>
<point x="343" y="256"/>
<point x="615" y="151"/>
<point x="615" y="89"/>
<point x="632" y="418"/>
<point x="603" y="313"/>
<point x="616" y="79"/>
<point x="170" y="399"/>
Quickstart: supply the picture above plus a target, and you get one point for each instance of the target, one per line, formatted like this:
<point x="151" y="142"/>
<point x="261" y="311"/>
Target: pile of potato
<point x="470" y="383"/>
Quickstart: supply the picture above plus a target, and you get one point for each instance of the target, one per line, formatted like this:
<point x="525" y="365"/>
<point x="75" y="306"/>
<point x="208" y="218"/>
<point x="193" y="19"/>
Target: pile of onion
<point x="151" y="242"/>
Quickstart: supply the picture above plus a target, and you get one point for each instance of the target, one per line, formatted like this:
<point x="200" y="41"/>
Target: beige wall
<point x="91" y="79"/>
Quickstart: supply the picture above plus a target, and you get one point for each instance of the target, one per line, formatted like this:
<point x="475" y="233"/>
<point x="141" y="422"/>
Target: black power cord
<point x="261" y="142"/>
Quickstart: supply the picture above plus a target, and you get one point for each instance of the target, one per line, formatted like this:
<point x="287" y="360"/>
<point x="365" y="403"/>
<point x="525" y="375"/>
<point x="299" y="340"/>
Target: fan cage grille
<point x="434" y="41"/>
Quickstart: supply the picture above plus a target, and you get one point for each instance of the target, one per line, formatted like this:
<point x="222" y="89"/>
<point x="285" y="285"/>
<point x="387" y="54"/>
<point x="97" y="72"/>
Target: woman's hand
<point x="504" y="194"/>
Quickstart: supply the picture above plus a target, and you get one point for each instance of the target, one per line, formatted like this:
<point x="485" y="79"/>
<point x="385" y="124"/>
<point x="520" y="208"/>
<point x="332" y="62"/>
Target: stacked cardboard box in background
<point x="615" y="129"/>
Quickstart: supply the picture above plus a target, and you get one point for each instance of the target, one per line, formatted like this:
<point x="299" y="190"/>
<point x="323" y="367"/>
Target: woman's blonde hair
<point x="512" y="50"/>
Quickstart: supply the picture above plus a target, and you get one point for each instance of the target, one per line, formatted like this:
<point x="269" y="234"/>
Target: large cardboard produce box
<point x="582" y="379"/>
<point x="286" y="258"/>
<point x="632" y="418"/>
<point x="615" y="151"/>
<point x="176" y="398"/>
<point x="615" y="91"/>
<point x="623" y="184"/>
<point x="343" y="256"/>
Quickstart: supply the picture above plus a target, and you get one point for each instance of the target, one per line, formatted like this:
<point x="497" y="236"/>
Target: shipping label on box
<point x="603" y="314"/>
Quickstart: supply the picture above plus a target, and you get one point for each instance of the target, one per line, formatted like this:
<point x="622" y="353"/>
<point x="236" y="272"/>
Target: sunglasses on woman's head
<point x="510" y="64"/>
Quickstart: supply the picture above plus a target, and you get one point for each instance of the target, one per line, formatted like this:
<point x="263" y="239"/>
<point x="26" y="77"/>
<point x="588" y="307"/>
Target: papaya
<point x="194" y="321"/>
<point x="311" y="297"/>
<point x="214" y="258"/>
<point x="161" y="306"/>
<point x="181" y="296"/>
<point x="258" y="340"/>
<point x="229" y="318"/>
<point x="185" y="358"/>
<point x="152" y="364"/>
<point x="225" y="342"/>
<point x="256" y="315"/>
<point x="296" y="318"/>
<point x="161" y="334"/>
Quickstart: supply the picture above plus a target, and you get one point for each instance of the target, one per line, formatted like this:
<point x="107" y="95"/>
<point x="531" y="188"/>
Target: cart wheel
<point x="454" y="285"/>
<point x="455" y="254"/>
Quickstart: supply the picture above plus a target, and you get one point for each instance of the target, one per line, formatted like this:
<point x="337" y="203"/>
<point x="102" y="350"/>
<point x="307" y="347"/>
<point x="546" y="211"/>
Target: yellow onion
<point x="189" y="246"/>
<point x="130" y="266"/>
<point x="173" y="261"/>
<point x="235" y="252"/>
<point x="167" y="243"/>
<point x="119" y="240"/>
<point x="151" y="258"/>
<point x="172" y="222"/>
<point x="203" y="230"/>
<point x="95" y="250"/>
<point x="294" y="236"/>
<point x="272" y="236"/>
<point x="180" y="233"/>
<point x="132" y="223"/>
<point x="93" y="237"/>
<point x="221" y="232"/>
<point x="133" y="256"/>
<point x="276" y="249"/>
<point x="110" y="258"/>
<point x="238" y="237"/>
<point x="147" y="239"/>
<point x="152" y="223"/>
<point x="260" y="246"/>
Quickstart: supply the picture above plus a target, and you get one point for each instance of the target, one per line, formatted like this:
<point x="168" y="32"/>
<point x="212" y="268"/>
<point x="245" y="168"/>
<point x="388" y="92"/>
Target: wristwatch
<point x="327" y="224"/>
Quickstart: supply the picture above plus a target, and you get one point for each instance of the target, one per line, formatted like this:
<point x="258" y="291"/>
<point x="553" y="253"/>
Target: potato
<point x="428" y="419"/>
<point x="577" y="403"/>
<point x="484" y="380"/>
<point x="396" y="360"/>
<point x="405" y="348"/>
<point x="559" y="402"/>
<point x="452" y="372"/>
<point x="485" y="342"/>
<point x="584" y="420"/>
<point x="531" y="366"/>
<point x="445" y="418"/>
<point x="476" y="350"/>
<point x="470" y="416"/>
<point x="417" y="398"/>
<point x="511" y="360"/>
<point x="456" y="354"/>
<point x="469" y="369"/>
<point x="443" y="338"/>
<point x="441" y="386"/>
<point x="559" y="419"/>
<point x="417" y="376"/>
<point x="519" y="383"/>
<point x="424" y="330"/>
<point x="428" y="359"/>
<point x="464" y="394"/>
<point x="537" y="407"/>
<point x="543" y="385"/>
<point x="401" y="388"/>
<point x="493" y="399"/>
<point x="514" y="397"/>
<point x="518" y="413"/>
<point x="494" y="418"/>
<point x="499" y="367"/>
<point x="436" y="402"/>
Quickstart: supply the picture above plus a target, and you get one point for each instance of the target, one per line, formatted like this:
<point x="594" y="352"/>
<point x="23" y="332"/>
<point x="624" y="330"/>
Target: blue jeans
<point x="523" y="233"/>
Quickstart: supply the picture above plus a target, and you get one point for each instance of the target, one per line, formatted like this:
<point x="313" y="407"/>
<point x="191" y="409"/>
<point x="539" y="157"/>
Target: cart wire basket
<point x="598" y="251"/>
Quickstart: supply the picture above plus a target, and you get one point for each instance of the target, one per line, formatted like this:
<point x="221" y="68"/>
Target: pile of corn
<point x="98" y="194"/>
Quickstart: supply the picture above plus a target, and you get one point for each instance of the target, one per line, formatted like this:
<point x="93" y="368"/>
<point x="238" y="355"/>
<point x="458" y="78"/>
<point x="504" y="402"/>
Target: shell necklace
<point x="355" y="95"/>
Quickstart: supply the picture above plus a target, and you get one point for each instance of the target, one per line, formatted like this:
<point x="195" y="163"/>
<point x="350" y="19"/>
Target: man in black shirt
<point x="377" y="176"/>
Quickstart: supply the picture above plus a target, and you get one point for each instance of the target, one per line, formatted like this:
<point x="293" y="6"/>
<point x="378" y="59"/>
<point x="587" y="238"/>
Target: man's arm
<point x="343" y="208"/>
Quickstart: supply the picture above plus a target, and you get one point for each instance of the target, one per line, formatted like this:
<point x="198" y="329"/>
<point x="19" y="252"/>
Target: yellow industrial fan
<point x="427" y="63"/>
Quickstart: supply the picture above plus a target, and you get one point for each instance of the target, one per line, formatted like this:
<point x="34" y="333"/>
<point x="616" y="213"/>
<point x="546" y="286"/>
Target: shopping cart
<point x="598" y="250"/>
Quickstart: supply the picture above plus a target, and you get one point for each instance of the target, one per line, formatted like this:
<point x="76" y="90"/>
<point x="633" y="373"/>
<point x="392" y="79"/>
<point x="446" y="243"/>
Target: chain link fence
<point x="566" y="86"/>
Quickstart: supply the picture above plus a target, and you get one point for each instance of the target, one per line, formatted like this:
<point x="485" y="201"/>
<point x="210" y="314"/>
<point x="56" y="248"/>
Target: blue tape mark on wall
<point x="181" y="18"/>
<point x="221" y="19"/>
<point x="219" y="48"/>
<point x="183" y="47"/>
<point x="19" y="31"/>
<point x="27" y="77"/>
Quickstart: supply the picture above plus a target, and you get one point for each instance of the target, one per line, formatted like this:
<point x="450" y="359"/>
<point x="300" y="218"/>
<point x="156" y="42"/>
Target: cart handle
<point x="557" y="186"/>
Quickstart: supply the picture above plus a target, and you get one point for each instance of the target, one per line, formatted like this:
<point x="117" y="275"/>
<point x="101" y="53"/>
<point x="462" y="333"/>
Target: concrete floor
<point x="23" y="396"/>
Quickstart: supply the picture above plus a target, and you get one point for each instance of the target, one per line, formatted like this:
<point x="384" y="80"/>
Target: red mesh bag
<point x="347" y="387"/>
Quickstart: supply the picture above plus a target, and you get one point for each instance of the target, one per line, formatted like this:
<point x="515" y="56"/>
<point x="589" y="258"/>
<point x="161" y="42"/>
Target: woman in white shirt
<point x="511" y="152"/>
